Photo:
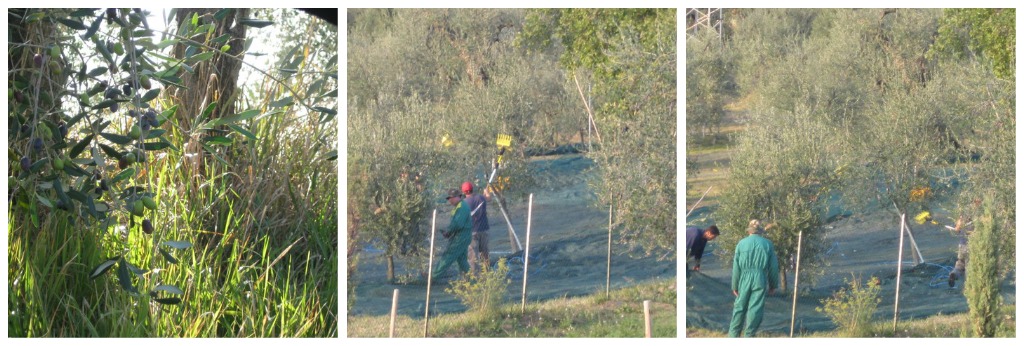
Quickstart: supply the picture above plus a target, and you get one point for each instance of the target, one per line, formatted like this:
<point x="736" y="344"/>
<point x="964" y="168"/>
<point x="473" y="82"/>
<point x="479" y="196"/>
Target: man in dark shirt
<point x="696" y="239"/>
<point x="479" y="252"/>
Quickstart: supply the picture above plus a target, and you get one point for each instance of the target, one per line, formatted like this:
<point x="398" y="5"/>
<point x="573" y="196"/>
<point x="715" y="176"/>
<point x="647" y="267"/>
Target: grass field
<point x="619" y="315"/>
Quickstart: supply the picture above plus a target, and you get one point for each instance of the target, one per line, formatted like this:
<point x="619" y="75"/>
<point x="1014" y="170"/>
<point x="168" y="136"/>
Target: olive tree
<point x="784" y="170"/>
<point x="429" y="92"/>
<point x="630" y="55"/>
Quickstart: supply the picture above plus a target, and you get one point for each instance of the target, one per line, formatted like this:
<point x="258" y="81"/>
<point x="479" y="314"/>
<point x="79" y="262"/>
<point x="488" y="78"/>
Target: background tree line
<point x="885" y="109"/>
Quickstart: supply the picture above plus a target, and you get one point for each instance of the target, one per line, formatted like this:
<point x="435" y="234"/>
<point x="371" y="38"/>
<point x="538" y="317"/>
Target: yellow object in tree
<point x="446" y="141"/>
<point x="500" y="184"/>
<point x="923" y="217"/>
<point x="920" y="193"/>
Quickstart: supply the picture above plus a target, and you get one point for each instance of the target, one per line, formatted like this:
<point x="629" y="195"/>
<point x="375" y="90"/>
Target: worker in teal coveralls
<point x="755" y="271"/>
<point x="459" y="235"/>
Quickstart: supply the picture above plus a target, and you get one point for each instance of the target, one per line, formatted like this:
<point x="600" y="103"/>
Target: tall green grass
<point x="262" y="218"/>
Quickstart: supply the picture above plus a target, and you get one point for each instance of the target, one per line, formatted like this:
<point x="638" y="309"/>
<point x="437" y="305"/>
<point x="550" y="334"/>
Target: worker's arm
<point x="736" y="270"/>
<point x="698" y="252"/>
<point x="487" y="193"/>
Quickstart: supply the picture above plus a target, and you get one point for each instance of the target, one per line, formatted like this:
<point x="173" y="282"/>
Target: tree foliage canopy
<point x="856" y="106"/>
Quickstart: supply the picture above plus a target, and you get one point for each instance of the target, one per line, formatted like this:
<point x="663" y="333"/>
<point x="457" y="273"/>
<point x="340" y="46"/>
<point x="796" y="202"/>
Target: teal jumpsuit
<point x="755" y="269"/>
<point x="461" y="234"/>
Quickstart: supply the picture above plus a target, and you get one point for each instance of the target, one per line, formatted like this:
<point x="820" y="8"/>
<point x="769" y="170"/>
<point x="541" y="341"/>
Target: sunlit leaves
<point x="124" y="277"/>
<point x="103" y="267"/>
<point x="169" y="289"/>
<point x="177" y="244"/>
<point x="168" y="256"/>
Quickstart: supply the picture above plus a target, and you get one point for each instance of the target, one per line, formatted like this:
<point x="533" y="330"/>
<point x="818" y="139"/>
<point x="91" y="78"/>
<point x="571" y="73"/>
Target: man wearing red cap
<point x="479" y="252"/>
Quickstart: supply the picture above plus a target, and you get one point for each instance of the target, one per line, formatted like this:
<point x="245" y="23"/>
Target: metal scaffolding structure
<point x="704" y="18"/>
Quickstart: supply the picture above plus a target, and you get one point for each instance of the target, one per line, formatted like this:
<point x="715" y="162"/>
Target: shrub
<point x="851" y="308"/>
<point x="483" y="292"/>
<point x="982" y="284"/>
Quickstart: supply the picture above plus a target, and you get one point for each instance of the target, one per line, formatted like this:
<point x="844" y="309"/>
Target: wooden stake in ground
<point x="394" y="311"/>
<point x="608" y="277"/>
<point x="899" y="272"/>
<point x="526" y="255"/>
<point x="647" y="318"/>
<point x="796" y="282"/>
<point x="430" y="274"/>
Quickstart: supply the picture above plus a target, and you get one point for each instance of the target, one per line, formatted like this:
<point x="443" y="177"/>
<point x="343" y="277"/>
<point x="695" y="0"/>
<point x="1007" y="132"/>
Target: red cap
<point x="467" y="187"/>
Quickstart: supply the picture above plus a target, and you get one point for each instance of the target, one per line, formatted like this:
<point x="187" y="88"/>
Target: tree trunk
<point x="391" y="268"/>
<point x="353" y="250"/>
<point x="782" y="280"/>
<point x="214" y="80"/>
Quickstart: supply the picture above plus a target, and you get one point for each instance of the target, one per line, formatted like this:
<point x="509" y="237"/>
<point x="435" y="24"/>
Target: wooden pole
<point x="590" y="114"/>
<point x="430" y="274"/>
<point x="796" y="282"/>
<point x="512" y="237"/>
<point x="918" y="259"/>
<point x="526" y="255"/>
<point x="608" y="277"/>
<point x="698" y="201"/>
<point x="647" y="318"/>
<point x="899" y="272"/>
<point x="394" y="312"/>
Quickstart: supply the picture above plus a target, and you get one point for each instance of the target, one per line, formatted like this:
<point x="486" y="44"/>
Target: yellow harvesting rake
<point x="504" y="141"/>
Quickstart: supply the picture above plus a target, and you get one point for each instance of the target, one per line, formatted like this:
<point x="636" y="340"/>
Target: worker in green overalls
<point x="459" y="235"/>
<point x="755" y="274"/>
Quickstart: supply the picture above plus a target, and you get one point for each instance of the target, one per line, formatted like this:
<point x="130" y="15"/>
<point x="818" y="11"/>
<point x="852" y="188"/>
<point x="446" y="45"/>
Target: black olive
<point x="112" y="93"/>
<point x="147" y="226"/>
<point x="37" y="144"/>
<point x="26" y="164"/>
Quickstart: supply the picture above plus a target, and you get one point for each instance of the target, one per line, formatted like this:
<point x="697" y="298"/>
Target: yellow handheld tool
<point x="504" y="141"/>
